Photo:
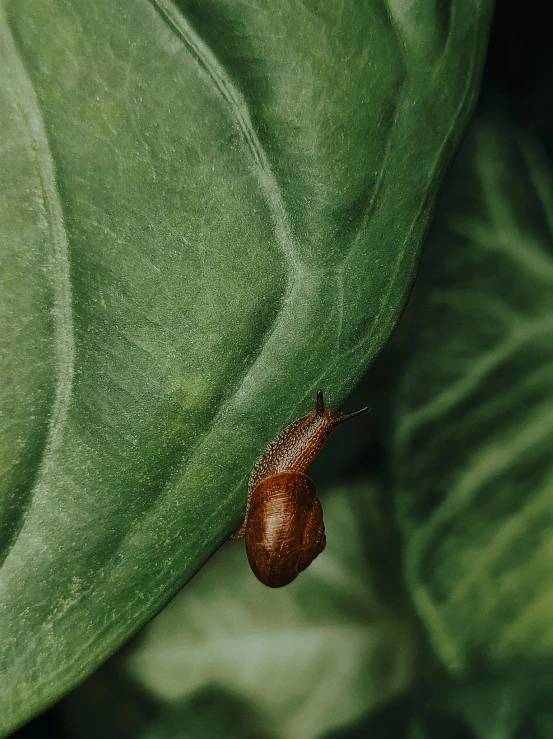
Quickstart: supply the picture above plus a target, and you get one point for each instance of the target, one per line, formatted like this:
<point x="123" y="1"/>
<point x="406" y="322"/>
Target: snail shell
<point x="285" y="530"/>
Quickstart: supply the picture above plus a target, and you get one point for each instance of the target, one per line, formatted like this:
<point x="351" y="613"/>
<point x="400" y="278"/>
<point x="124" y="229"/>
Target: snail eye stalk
<point x="319" y="405"/>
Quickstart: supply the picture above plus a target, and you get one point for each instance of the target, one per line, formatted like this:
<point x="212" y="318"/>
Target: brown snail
<point x="283" y="526"/>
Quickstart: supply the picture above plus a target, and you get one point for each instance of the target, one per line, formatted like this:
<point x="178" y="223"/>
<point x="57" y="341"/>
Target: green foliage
<point x="208" y="211"/>
<point x="472" y="455"/>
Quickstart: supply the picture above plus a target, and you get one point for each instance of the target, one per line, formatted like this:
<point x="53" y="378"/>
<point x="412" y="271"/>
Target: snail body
<point x="283" y="526"/>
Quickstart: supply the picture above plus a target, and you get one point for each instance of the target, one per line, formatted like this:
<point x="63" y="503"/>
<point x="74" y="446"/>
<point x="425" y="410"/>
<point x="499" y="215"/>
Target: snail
<point x="283" y="526"/>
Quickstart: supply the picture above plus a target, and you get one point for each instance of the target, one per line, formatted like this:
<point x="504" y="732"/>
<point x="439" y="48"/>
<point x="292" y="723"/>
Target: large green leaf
<point x="307" y="659"/>
<point x="208" y="212"/>
<point x="472" y="460"/>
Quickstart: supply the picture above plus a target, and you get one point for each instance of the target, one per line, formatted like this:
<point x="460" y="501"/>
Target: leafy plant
<point x="472" y="457"/>
<point x="209" y="211"/>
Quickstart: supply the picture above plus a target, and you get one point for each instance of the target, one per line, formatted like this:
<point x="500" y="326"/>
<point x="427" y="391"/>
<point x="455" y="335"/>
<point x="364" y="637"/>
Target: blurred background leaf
<point x="207" y="715"/>
<point x="472" y="461"/>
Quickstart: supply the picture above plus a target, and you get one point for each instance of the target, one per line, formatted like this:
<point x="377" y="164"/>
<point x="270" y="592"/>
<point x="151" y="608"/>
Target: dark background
<point x="518" y="76"/>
